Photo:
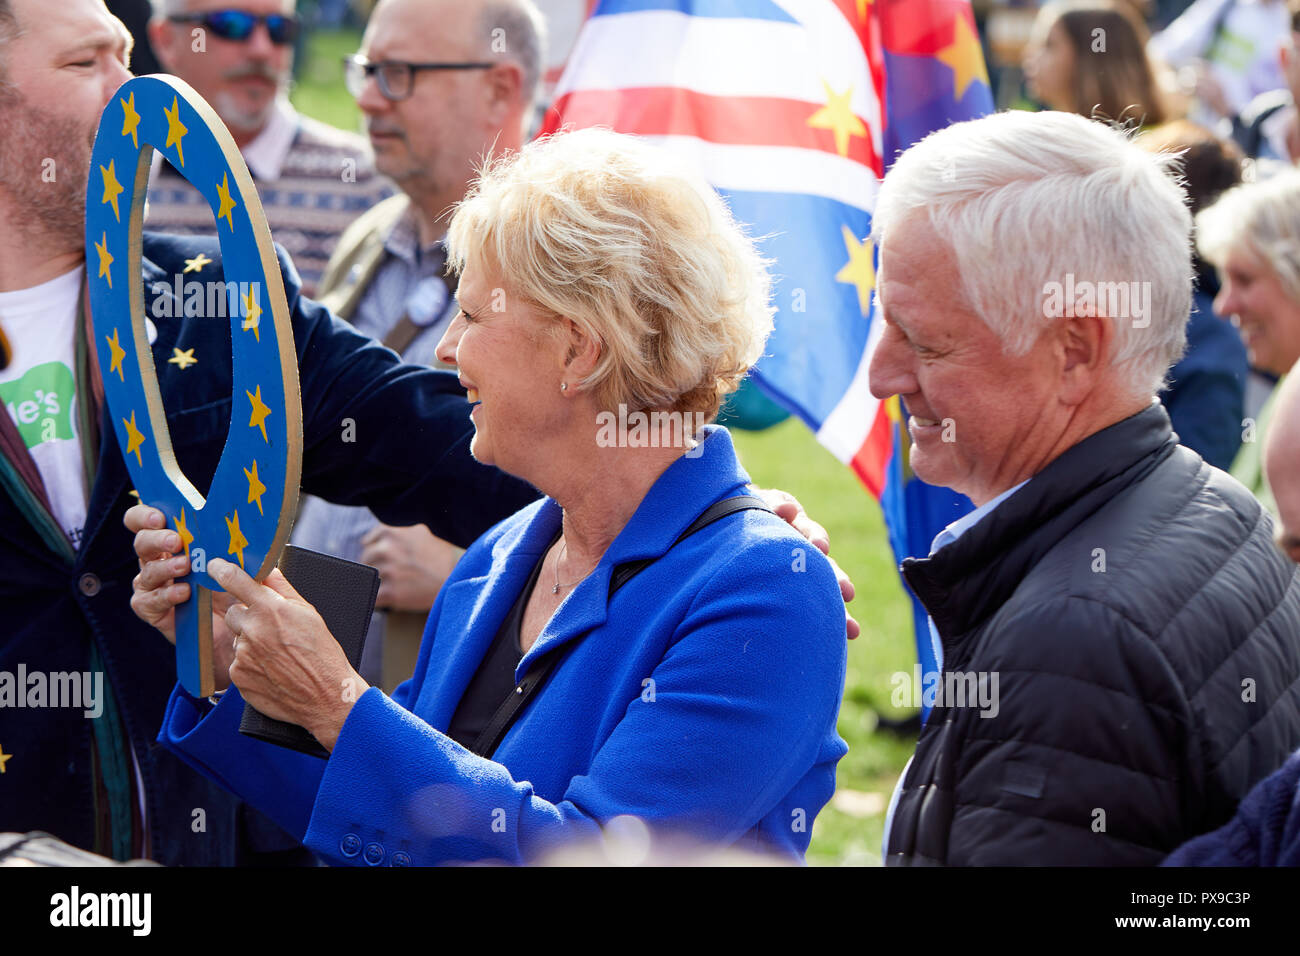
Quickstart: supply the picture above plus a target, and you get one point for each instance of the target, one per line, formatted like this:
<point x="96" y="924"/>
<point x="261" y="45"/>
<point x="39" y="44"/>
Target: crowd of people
<point x="570" y="633"/>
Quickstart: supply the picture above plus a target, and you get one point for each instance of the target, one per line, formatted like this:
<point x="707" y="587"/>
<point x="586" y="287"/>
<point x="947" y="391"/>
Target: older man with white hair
<point x="1120" y="638"/>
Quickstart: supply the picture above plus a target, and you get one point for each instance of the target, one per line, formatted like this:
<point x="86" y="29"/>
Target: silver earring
<point x="564" y="387"/>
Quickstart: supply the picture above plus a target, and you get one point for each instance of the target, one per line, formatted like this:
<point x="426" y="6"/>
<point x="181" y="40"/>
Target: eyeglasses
<point x="239" y="25"/>
<point x="396" y="79"/>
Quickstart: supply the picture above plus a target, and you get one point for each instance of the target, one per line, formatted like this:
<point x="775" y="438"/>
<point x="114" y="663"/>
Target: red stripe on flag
<point x="873" y="456"/>
<point x="732" y="120"/>
<point x="867" y="28"/>
<point x="921" y="27"/>
<point x="849" y="9"/>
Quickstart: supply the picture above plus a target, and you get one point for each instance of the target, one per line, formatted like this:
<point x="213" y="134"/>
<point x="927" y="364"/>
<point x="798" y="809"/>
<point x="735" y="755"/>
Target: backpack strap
<point x="513" y="705"/>
<point x="719" y="509"/>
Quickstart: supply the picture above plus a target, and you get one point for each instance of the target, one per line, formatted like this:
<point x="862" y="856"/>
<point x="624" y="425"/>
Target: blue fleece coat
<point x="1265" y="831"/>
<point x="701" y="698"/>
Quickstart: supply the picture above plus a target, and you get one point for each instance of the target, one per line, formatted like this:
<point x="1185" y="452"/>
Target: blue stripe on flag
<point x="812" y="354"/>
<point x="730" y="9"/>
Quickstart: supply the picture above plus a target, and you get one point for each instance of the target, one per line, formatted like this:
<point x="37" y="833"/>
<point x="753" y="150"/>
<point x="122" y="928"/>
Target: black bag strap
<point x="511" y="707"/>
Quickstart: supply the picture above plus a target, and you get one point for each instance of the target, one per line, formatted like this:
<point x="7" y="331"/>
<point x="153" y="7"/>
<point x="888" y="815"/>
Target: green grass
<point x="787" y="456"/>
<point x="319" y="92"/>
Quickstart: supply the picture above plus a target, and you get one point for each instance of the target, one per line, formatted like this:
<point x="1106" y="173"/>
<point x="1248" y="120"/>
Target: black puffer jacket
<point x="1137" y="704"/>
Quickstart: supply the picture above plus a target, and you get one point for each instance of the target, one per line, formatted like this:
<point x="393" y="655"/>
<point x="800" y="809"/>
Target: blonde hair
<point x="613" y="234"/>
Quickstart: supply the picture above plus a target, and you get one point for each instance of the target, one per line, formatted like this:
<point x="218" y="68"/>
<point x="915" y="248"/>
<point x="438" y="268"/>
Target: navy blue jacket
<point x="702" y="697"/>
<point x="1206" y="396"/>
<point x="409" y="463"/>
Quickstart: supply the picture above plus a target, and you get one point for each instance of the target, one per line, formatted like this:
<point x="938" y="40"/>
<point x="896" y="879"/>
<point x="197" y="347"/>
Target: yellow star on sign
<point x="184" y="359"/>
<point x="197" y="263"/>
<point x="255" y="487"/>
<point x="4" y="759"/>
<point x="175" y="129"/>
<point x="131" y="119"/>
<point x="237" y="540"/>
<point x="187" y="536"/>
<point x="965" y="58"/>
<point x="134" y="437"/>
<point x="252" y="312"/>
<point x="105" y="259"/>
<point x="116" y="353"/>
<point x="260" y="411"/>
<point x="838" y="117"/>
<point x="860" y="270"/>
<point x="227" y="204"/>
<point x="112" y="188"/>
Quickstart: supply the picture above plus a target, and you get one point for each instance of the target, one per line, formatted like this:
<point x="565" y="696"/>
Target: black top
<point x="494" y="680"/>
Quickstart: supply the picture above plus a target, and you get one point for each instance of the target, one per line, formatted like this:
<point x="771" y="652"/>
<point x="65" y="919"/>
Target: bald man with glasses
<point x="314" y="180"/>
<point x="441" y="83"/>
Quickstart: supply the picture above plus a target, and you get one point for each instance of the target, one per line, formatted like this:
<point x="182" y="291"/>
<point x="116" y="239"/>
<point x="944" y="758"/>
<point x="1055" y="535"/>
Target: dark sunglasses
<point x="239" y="25"/>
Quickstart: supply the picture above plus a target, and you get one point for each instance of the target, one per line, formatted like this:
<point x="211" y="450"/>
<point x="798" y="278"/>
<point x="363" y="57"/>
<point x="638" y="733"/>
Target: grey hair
<point x="523" y="30"/>
<point x="1265" y="218"/>
<point x="1031" y="201"/>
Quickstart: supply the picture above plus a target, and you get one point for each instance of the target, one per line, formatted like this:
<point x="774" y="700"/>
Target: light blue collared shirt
<point x="967" y="521"/>
<point x="950" y="534"/>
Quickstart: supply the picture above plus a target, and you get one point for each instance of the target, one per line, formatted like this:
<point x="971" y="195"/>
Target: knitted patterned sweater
<point x="327" y="180"/>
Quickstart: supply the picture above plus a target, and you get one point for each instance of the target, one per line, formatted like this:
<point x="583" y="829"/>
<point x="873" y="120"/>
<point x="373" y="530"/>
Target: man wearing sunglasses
<point x="313" y="179"/>
<point x="442" y="83"/>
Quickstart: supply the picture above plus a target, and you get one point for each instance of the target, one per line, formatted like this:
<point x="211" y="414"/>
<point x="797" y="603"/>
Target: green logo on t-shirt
<point x="40" y="403"/>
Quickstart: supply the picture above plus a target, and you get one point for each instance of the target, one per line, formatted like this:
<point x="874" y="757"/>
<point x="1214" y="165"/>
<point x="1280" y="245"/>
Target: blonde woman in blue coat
<point x="608" y="304"/>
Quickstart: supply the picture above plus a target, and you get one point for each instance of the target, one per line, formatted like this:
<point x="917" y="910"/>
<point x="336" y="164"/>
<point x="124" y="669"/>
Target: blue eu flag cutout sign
<point x="248" y="510"/>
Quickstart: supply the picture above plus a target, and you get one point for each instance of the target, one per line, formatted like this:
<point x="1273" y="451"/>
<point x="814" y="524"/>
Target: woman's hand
<point x="286" y="662"/>
<point x="787" y="508"/>
<point x="157" y="591"/>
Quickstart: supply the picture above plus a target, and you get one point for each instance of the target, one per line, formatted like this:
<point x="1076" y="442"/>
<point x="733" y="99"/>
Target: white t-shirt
<point x="39" y="389"/>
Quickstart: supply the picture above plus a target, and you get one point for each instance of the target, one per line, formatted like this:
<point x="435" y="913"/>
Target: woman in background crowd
<point x="1252" y="236"/>
<point x="1090" y="58"/>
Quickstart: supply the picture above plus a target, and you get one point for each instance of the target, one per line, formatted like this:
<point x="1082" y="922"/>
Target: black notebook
<point x="343" y="593"/>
